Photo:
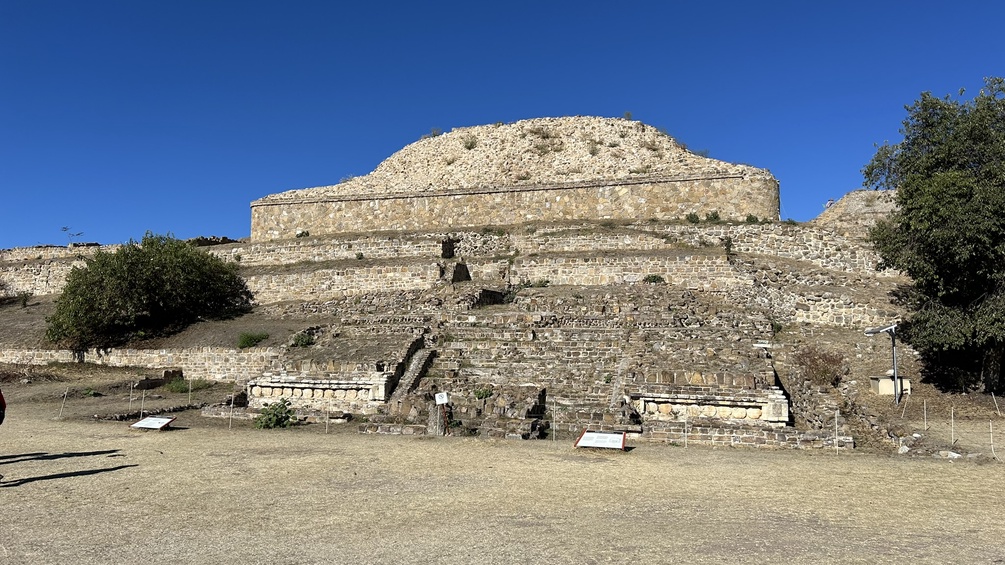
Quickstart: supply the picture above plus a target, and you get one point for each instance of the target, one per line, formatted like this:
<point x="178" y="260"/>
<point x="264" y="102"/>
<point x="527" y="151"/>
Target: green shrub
<point x="752" y="219"/>
<point x="693" y="218"/>
<point x="483" y="393"/>
<point x="249" y="339"/>
<point x="470" y="142"/>
<point x="23" y="297"/>
<point x="303" y="340"/>
<point x="653" y="279"/>
<point x="157" y="286"/>
<point x="727" y="244"/>
<point x="712" y="217"/>
<point x="276" y="415"/>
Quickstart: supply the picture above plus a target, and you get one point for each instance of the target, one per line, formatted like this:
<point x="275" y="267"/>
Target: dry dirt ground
<point x="80" y="490"/>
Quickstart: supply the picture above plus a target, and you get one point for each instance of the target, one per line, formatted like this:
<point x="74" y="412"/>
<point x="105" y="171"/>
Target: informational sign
<point x="607" y="440"/>
<point x="442" y="398"/>
<point x="153" y="423"/>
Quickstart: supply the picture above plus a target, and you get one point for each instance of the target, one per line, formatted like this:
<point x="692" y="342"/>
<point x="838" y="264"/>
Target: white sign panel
<point x="442" y="398"/>
<point x="608" y="440"/>
<point x="153" y="423"/>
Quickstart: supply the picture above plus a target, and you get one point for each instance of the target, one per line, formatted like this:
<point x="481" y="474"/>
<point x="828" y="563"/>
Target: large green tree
<point x="948" y="233"/>
<point x="154" y="286"/>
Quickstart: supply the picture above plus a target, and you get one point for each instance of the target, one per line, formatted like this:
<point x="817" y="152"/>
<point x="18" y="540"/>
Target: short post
<point x="991" y="430"/>
<point x="142" y="402"/>
<point x="904" y="411"/>
<point x="685" y="428"/>
<point x="65" y="394"/>
<point x="328" y="414"/>
<point x="952" y="424"/>
<point x="925" y="405"/>
<point x="233" y="388"/>
<point x="995" y="400"/>
<point x="836" y="414"/>
<point x="190" y="392"/>
<point x="132" y="385"/>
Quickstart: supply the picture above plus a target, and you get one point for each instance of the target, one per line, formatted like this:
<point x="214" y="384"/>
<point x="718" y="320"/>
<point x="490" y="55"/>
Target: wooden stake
<point x="328" y="416"/>
<point x="232" y="395"/>
<point x="190" y="392"/>
<point x="142" y="401"/>
<point x="991" y="429"/>
<point x="952" y="424"/>
<point x="836" y="413"/>
<point x="60" y="417"/>
<point x="132" y="385"/>
<point x="925" y="404"/>
<point x="996" y="405"/>
<point x="904" y="411"/>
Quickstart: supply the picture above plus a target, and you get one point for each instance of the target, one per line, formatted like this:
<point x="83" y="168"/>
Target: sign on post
<point x="607" y="440"/>
<point x="153" y="423"/>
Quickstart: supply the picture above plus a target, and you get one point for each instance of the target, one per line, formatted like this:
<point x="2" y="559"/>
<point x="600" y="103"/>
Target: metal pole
<point x="897" y="388"/>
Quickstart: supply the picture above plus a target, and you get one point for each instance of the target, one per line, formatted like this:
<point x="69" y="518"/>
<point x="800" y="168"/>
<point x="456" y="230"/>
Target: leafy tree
<point x="948" y="234"/>
<point x="156" y="286"/>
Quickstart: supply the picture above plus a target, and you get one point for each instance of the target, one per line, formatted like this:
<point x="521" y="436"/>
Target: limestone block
<point x="665" y="408"/>
<point x="739" y="413"/>
<point x="754" y="413"/>
<point x="256" y="391"/>
<point x="723" y="411"/>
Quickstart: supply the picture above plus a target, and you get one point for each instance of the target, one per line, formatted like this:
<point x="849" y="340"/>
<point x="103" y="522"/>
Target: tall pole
<point x="898" y="389"/>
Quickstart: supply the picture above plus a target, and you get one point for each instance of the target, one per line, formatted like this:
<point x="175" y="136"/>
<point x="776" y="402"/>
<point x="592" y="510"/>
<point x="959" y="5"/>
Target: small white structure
<point x="885" y="385"/>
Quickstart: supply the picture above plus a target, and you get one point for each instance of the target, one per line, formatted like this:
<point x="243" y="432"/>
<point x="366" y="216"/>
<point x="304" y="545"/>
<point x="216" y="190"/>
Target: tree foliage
<point x="156" y="286"/>
<point x="948" y="234"/>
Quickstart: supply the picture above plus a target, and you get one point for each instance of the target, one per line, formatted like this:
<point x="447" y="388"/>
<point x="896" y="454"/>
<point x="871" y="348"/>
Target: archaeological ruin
<point x="551" y="276"/>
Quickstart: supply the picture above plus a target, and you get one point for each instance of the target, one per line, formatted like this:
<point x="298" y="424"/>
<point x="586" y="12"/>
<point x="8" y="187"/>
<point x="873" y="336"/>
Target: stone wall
<point x="664" y="198"/>
<point x="210" y="363"/>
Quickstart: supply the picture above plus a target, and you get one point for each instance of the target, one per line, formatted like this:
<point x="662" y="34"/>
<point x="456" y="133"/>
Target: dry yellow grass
<point x="86" y="492"/>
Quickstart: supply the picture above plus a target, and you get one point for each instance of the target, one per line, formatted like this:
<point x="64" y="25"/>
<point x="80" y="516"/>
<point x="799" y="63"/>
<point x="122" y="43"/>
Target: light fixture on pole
<point x="892" y="330"/>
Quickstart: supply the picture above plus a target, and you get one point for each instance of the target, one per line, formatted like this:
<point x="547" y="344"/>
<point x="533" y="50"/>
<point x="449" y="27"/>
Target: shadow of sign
<point x="26" y="480"/>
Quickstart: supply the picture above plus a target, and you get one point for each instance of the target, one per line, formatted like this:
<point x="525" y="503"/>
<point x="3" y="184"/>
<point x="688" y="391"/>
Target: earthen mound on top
<point x="540" y="151"/>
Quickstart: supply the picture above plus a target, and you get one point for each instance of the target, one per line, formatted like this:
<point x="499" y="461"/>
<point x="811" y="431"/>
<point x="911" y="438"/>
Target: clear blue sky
<point x="118" y="117"/>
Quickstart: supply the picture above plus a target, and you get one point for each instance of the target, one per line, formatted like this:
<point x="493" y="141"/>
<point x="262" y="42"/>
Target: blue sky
<point x="119" y="117"/>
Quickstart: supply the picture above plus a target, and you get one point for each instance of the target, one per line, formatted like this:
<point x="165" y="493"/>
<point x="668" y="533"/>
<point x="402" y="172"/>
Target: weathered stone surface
<point x="547" y="169"/>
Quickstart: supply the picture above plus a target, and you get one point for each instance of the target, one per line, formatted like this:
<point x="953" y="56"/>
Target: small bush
<point x="820" y="366"/>
<point x="483" y="393"/>
<point x="303" y="233"/>
<point x="693" y="218"/>
<point x="248" y="339"/>
<point x="713" y="217"/>
<point x="653" y="279"/>
<point x="727" y="245"/>
<point x="303" y="340"/>
<point x="276" y="415"/>
<point x="470" y="142"/>
<point x="752" y="219"/>
<point x="359" y="255"/>
<point x="23" y="297"/>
